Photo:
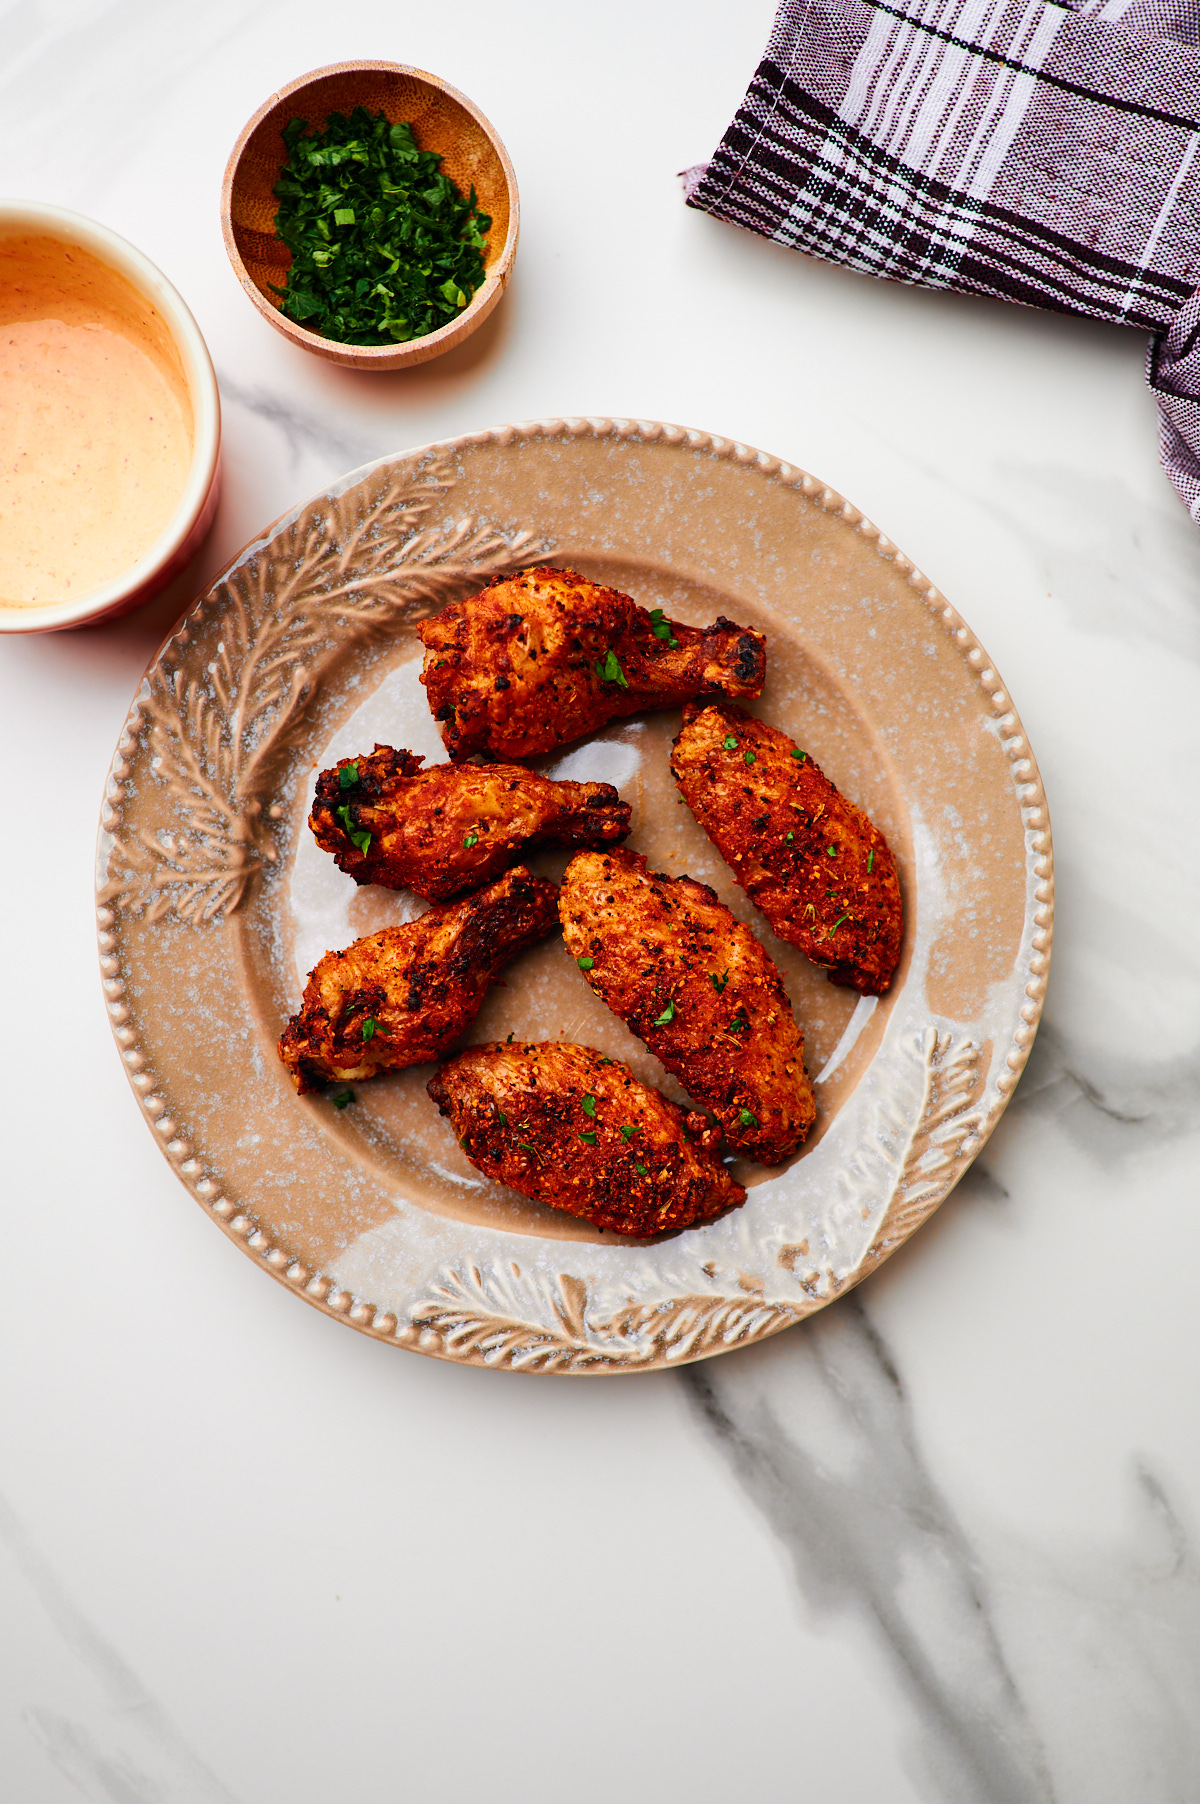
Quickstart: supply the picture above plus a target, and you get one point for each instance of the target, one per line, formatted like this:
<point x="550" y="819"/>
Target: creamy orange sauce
<point x="95" y="423"/>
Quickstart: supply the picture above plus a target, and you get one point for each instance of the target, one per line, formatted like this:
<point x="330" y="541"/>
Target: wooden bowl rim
<point x="385" y="356"/>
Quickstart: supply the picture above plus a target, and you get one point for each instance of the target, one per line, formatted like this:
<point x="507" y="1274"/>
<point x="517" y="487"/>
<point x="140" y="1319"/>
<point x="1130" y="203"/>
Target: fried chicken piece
<point x="539" y="658"/>
<point x="671" y="960"/>
<point x="821" y="873"/>
<point x="573" y="1129"/>
<point x="402" y="996"/>
<point x="449" y="829"/>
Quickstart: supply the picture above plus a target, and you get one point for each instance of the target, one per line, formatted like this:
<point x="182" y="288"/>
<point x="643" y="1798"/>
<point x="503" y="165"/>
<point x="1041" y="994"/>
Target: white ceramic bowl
<point x="185" y="530"/>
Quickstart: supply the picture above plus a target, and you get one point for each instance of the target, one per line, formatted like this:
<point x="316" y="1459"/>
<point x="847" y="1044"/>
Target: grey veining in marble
<point x="844" y="1485"/>
<point x="121" y="1746"/>
<point x="1033" y="1678"/>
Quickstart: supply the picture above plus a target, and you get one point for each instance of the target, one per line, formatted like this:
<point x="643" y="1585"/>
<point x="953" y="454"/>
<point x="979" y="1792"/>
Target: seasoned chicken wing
<point x="401" y="996"/>
<point x="701" y="991"/>
<point x="821" y="873"/>
<point x="537" y="659"/>
<point x="449" y="829"/>
<point x="573" y="1129"/>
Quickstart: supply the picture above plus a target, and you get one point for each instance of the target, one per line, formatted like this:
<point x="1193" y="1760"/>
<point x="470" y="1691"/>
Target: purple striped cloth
<point x="1039" y="152"/>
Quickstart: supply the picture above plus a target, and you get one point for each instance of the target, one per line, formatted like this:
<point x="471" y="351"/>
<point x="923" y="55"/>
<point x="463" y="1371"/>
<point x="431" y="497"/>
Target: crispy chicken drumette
<point x="701" y="991"/>
<point x="402" y="996"/>
<point x="821" y="873"/>
<point x="539" y="658"/>
<point x="573" y="1129"/>
<point x="451" y="828"/>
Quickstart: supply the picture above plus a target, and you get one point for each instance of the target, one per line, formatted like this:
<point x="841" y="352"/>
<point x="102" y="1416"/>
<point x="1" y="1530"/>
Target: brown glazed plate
<point x="214" y="901"/>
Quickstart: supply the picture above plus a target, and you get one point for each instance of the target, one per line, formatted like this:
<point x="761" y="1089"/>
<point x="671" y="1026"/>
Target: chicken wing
<point x="573" y="1129"/>
<point x="539" y="658"/>
<point x="702" y="992"/>
<point x="451" y="828"/>
<point x="821" y="873"/>
<point x="401" y="996"/>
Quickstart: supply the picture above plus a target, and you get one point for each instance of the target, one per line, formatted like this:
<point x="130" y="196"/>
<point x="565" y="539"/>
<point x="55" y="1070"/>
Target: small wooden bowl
<point x="442" y="119"/>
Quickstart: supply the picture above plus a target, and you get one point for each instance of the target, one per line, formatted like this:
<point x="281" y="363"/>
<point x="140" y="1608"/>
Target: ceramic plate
<point x="215" y="901"/>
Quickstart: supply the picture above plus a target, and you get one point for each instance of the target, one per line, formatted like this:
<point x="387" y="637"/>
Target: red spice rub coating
<point x="417" y="985"/>
<point x="546" y="1119"/>
<point x="518" y="669"/>
<point x="812" y="861"/>
<point x="668" y="947"/>
<point x="451" y="828"/>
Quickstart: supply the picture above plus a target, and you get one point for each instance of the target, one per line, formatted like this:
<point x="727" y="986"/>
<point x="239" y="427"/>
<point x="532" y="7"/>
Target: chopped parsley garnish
<point x="661" y="628"/>
<point x="870" y="860"/>
<point x="585" y="964"/>
<point x="641" y="1170"/>
<point x="718" y="983"/>
<point x="610" y="670"/>
<point x="667" y="1016"/>
<point x="368" y="1027"/>
<point x="590" y="1138"/>
<point x="472" y="839"/>
<point x="798" y="755"/>
<point x="384" y="246"/>
<point x="348" y="776"/>
<point x="627" y="1133"/>
<point x="340" y="1098"/>
<point x="790" y="840"/>
<point x="358" y="836"/>
<point x="831" y="851"/>
<point x="501" y="1117"/>
<point x="749" y="757"/>
<point x="588" y="1105"/>
<point x="747" y="1119"/>
<point x="730" y="743"/>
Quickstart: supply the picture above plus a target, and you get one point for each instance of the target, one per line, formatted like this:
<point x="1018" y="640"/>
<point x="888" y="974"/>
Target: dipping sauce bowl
<point x="110" y="424"/>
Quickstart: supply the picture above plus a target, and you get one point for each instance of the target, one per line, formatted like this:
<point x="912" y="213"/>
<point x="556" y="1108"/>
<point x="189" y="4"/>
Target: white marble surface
<point x="940" y="1543"/>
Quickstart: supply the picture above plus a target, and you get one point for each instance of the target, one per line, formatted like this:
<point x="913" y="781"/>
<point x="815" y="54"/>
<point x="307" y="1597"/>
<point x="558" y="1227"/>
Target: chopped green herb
<point x="747" y="1119"/>
<point x="730" y="743"/>
<point x="524" y="1146"/>
<point x="749" y="757"/>
<point x="640" y="1169"/>
<point x="627" y="1133"/>
<point x="385" y="247"/>
<point x="836" y="925"/>
<point x="348" y="776"/>
<point x="790" y="840"/>
<point x="870" y="860"/>
<point x="340" y="1098"/>
<point x="472" y="839"/>
<point x="831" y="851"/>
<point x="718" y="983"/>
<point x="667" y="1016"/>
<point x="590" y="1138"/>
<point x="585" y="964"/>
<point x="798" y="755"/>
<point x="588" y="1105"/>
<point x="661" y="628"/>
<point x="368" y="1027"/>
<point x="358" y="836"/>
<point x="610" y="671"/>
<point x="501" y="1117"/>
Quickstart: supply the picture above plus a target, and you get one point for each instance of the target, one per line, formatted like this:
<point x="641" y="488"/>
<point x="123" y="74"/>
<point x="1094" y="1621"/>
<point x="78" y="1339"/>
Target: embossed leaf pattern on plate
<point x="343" y="570"/>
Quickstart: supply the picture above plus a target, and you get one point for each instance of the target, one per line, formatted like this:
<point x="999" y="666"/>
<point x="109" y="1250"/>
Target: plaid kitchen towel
<point x="1045" y="153"/>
